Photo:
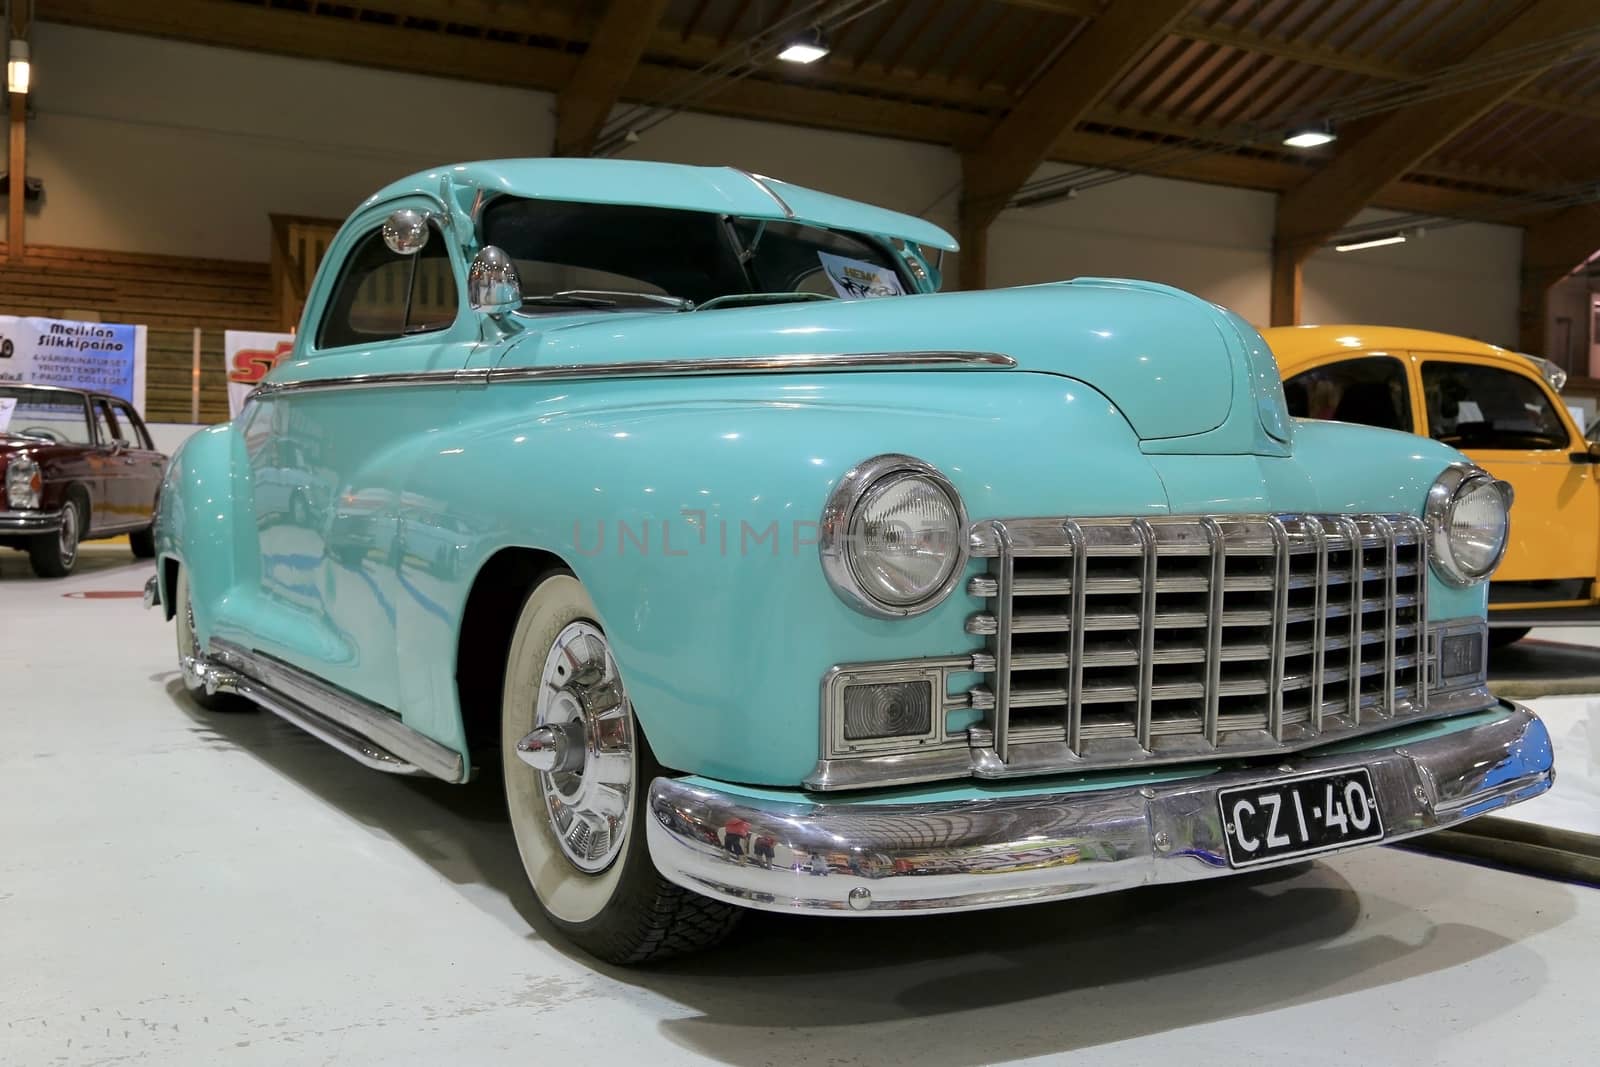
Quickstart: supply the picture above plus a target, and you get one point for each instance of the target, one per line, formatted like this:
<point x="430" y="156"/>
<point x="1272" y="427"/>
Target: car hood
<point x="1187" y="375"/>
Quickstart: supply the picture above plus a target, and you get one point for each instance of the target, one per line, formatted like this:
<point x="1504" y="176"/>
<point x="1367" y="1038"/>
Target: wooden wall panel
<point x="170" y="295"/>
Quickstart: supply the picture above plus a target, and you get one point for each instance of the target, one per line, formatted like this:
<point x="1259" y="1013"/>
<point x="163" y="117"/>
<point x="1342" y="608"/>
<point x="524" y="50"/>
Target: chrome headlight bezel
<point x="21" y="492"/>
<point x="1455" y="484"/>
<point x="834" y="543"/>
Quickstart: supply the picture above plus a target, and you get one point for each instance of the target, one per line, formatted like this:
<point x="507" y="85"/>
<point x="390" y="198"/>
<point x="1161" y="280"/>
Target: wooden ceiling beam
<point x="1312" y="212"/>
<point x="548" y="69"/>
<point x="585" y="102"/>
<point x="1080" y="75"/>
<point x="1315" y="55"/>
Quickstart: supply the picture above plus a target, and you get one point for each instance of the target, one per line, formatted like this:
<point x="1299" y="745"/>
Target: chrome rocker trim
<point x="365" y="732"/>
<point x="964" y="855"/>
<point x="802" y="363"/>
<point x="29" y="522"/>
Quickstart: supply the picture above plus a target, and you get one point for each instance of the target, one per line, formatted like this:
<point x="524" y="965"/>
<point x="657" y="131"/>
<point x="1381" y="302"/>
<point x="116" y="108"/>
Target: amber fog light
<point x="1461" y="657"/>
<point x="880" y="708"/>
<point x="888" y="709"/>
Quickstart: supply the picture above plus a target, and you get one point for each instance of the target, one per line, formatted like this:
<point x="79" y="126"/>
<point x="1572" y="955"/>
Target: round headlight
<point x="1469" y="522"/>
<point x="893" y="537"/>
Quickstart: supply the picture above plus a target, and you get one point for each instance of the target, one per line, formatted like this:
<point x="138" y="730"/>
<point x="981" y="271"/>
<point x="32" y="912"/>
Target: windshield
<point x="62" y="418"/>
<point x="603" y="255"/>
<point x="1474" y="406"/>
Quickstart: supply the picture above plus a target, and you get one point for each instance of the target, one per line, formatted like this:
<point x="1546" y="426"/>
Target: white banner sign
<point x="104" y="357"/>
<point x="250" y="355"/>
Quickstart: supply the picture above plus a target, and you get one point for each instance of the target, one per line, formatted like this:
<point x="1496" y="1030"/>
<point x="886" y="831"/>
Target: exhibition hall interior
<point x="939" y="532"/>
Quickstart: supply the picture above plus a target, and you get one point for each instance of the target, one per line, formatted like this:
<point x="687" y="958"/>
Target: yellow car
<point x="1498" y="407"/>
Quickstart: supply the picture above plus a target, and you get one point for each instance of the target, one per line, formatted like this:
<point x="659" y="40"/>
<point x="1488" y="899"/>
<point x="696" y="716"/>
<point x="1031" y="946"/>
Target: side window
<point x="104" y="427"/>
<point x="1473" y="406"/>
<point x="381" y="295"/>
<point x="133" y="431"/>
<point x="1370" y="390"/>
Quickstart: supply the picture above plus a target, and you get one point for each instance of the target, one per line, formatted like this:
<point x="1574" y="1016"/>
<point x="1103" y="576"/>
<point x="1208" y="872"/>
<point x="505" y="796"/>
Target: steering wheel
<point x="42" y="431"/>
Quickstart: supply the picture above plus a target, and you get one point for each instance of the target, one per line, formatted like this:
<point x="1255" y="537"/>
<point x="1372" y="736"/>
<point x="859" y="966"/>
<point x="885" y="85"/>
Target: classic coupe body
<point x="75" y="466"/>
<point x="1503" y="410"/>
<point x="767" y="576"/>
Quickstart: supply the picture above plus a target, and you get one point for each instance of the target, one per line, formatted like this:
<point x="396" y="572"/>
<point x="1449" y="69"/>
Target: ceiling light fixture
<point x="807" y="48"/>
<point x="1374" y="242"/>
<point x="1311" y="136"/>
<point x="19" y="71"/>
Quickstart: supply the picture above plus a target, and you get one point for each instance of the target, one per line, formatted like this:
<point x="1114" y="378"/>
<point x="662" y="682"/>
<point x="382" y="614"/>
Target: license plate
<point x="1299" y="816"/>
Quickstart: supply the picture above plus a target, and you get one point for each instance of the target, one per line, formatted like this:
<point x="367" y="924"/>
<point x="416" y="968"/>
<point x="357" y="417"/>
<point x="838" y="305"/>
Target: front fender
<point x="692" y="521"/>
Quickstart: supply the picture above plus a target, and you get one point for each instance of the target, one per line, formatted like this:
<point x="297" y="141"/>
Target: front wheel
<point x="54" y="555"/>
<point x="1501" y="636"/>
<point x="577" y="789"/>
<point x="189" y="653"/>
<point x="143" y="542"/>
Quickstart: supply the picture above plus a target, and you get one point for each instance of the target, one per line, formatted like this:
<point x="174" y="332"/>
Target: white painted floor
<point x="181" y="888"/>
<point x="1574" y="723"/>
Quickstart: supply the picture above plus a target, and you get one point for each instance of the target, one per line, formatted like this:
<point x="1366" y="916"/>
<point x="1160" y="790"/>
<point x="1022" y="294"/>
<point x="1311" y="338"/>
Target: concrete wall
<point x="157" y="146"/>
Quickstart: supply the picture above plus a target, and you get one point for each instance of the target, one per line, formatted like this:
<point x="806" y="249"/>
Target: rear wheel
<point x="189" y="654"/>
<point x="54" y="555"/>
<point x="577" y="794"/>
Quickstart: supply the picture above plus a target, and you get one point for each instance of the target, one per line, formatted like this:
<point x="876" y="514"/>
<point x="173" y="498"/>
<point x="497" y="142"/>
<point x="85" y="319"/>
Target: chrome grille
<point x="1118" y="640"/>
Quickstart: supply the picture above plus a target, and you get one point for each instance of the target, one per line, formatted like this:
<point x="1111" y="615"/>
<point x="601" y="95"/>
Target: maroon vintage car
<point x="76" y="466"/>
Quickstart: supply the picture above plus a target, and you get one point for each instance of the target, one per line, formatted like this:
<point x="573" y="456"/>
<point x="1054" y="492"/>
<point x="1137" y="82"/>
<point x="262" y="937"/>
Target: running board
<point x="367" y="733"/>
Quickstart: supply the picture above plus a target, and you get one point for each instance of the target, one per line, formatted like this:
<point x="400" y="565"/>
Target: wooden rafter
<point x="1311" y="213"/>
<point x="1095" y="60"/>
<point x="586" y="100"/>
<point x="872" y="101"/>
<point x="1058" y="100"/>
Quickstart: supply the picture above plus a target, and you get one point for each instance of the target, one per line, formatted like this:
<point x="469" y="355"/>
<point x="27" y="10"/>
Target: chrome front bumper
<point x="29" y="522"/>
<point x="851" y="856"/>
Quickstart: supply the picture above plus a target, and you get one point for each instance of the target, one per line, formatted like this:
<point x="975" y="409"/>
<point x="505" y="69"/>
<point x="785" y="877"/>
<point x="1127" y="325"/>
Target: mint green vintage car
<point x="768" y="577"/>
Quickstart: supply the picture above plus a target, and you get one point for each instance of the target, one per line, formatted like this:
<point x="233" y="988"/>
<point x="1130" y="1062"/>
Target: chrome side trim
<point x="846" y="857"/>
<point x="363" y="730"/>
<point x="761" y="183"/>
<point x="795" y="363"/>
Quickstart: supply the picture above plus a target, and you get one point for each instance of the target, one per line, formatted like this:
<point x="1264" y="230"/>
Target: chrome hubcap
<point x="581" y="747"/>
<point x="69" y="533"/>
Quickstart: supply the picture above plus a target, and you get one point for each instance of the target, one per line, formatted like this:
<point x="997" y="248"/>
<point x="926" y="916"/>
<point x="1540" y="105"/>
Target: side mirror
<point x="492" y="283"/>
<point x="405" y="231"/>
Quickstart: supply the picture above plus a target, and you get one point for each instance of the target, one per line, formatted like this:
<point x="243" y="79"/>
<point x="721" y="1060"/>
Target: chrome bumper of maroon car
<point x="29" y="522"/>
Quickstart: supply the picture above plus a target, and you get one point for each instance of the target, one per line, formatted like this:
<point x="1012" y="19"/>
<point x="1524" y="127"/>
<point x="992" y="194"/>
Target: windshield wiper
<point x="605" y="298"/>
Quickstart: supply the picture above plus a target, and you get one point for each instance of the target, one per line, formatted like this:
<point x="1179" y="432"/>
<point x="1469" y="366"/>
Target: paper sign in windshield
<point x="856" y="279"/>
<point x="8" y="404"/>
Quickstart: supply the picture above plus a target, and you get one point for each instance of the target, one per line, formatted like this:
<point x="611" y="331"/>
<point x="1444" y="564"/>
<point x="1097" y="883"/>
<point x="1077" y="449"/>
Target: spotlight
<point x="1375" y="242"/>
<point x="19" y="72"/>
<point x="807" y="48"/>
<point x="1311" y="136"/>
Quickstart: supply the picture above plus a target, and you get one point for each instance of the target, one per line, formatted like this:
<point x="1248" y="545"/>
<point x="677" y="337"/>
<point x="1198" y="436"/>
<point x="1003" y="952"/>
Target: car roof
<point x="1294" y="345"/>
<point x="722" y="190"/>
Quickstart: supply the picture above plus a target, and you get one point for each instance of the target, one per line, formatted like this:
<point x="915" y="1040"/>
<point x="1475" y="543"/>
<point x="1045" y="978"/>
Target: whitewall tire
<point x="579" y="824"/>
